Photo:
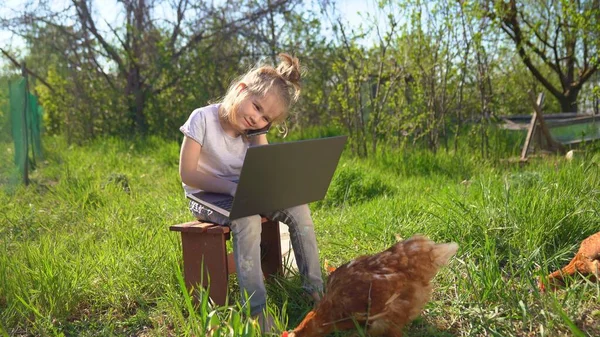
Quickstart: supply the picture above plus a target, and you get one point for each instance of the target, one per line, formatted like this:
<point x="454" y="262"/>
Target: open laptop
<point x="279" y="176"/>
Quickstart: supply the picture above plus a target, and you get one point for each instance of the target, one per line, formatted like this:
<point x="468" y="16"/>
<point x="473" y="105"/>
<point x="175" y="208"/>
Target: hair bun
<point x="289" y="70"/>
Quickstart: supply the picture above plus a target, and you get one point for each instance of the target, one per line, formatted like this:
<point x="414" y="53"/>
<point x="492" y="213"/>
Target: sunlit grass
<point x="86" y="248"/>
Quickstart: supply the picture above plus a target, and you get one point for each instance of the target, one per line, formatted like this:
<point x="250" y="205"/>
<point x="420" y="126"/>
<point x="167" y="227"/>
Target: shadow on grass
<point x="422" y="328"/>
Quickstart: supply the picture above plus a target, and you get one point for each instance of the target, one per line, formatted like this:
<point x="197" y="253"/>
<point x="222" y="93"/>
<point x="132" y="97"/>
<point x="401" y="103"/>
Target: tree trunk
<point x="136" y="99"/>
<point x="568" y="103"/>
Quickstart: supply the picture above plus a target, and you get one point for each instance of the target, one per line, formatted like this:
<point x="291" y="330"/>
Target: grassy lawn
<point x="86" y="249"/>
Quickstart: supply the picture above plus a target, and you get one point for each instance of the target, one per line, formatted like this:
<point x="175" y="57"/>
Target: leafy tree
<point x="303" y="37"/>
<point x="559" y="34"/>
<point x="140" y="59"/>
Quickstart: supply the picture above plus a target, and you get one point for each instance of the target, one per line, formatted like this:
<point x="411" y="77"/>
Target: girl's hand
<point x="259" y="140"/>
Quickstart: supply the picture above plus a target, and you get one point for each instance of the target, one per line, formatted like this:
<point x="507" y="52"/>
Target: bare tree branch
<point x="29" y="71"/>
<point x="86" y="21"/>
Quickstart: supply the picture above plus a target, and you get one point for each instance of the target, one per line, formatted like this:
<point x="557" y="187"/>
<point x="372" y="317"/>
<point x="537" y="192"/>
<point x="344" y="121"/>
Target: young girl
<point x="212" y="153"/>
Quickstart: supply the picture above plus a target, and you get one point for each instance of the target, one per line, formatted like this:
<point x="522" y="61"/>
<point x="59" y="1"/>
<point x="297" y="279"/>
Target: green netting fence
<point x="26" y="126"/>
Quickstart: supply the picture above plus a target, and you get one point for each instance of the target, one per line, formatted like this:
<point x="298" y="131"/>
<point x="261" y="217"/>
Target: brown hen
<point x="586" y="262"/>
<point x="385" y="291"/>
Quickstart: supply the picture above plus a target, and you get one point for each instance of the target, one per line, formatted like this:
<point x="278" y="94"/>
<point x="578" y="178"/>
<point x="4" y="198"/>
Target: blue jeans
<point x="246" y="250"/>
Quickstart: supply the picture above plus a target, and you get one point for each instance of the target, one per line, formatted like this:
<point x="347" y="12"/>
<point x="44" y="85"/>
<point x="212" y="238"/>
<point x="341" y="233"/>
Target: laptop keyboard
<point x="224" y="204"/>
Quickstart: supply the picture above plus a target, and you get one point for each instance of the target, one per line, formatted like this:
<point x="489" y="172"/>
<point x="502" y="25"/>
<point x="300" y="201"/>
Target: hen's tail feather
<point x="442" y="252"/>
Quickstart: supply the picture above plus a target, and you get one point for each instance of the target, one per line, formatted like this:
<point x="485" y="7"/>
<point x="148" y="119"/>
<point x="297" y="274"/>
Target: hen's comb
<point x="330" y="269"/>
<point x="284" y="334"/>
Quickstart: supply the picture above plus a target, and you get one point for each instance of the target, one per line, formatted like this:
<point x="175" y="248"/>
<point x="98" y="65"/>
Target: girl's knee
<point x="250" y="225"/>
<point x="300" y="215"/>
<point x="300" y="222"/>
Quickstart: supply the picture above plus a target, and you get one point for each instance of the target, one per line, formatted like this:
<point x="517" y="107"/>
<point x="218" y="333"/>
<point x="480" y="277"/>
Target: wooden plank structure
<point x="538" y="130"/>
<point x="552" y="132"/>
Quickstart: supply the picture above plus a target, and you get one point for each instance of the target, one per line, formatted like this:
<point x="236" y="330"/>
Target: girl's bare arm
<point x="188" y="162"/>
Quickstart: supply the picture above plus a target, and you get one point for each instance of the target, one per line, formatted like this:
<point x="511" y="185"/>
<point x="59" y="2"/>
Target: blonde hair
<point x="259" y="81"/>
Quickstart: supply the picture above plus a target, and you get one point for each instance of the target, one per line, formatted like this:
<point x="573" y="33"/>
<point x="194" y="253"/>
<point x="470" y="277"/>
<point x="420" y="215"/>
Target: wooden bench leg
<point x="271" y="249"/>
<point x="204" y="244"/>
<point x="210" y="249"/>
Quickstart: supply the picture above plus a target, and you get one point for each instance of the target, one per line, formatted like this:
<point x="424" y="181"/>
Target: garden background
<point x="420" y="88"/>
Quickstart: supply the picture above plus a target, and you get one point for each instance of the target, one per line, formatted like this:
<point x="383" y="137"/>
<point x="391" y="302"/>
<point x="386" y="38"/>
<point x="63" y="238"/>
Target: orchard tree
<point x="562" y="35"/>
<point x="140" y="57"/>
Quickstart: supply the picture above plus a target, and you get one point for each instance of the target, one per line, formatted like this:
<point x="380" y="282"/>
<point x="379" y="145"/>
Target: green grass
<point x="86" y="248"/>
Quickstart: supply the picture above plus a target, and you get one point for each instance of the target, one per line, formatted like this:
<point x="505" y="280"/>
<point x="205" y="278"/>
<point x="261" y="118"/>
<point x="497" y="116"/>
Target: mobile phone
<point x="252" y="133"/>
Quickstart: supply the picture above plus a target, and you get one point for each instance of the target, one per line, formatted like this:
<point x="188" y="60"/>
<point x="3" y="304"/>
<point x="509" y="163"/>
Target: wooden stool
<point x="204" y="242"/>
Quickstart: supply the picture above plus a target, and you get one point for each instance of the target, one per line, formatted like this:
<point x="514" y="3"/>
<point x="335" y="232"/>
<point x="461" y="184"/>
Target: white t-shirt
<point x="222" y="155"/>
